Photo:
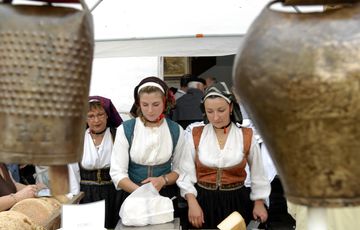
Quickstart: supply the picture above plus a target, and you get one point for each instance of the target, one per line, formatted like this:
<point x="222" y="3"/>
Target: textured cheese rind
<point x="36" y="209"/>
<point x="233" y="222"/>
<point x="13" y="220"/>
<point x="53" y="202"/>
<point x="62" y="199"/>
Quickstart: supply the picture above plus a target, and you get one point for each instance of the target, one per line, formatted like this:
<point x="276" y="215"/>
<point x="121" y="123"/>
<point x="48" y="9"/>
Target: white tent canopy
<point x="145" y="28"/>
<point x="133" y="28"/>
<point x="131" y="36"/>
<point x="171" y="46"/>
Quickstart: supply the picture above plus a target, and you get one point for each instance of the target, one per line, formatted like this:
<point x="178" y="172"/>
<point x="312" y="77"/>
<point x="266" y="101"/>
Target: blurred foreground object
<point x="37" y="209"/>
<point x="14" y="220"/>
<point x="298" y="75"/>
<point x="46" y="56"/>
<point x="45" y="66"/>
<point x="36" y="213"/>
<point x="317" y="2"/>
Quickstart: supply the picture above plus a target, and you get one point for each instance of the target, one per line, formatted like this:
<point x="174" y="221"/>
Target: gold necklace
<point x="221" y="139"/>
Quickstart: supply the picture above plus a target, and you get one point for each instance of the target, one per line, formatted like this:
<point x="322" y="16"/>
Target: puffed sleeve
<point x="119" y="157"/>
<point x="179" y="151"/>
<point x="260" y="185"/>
<point x="74" y="178"/>
<point x="187" y="174"/>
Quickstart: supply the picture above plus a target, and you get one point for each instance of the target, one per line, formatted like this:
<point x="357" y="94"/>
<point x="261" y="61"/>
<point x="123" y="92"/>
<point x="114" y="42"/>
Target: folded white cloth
<point x="146" y="206"/>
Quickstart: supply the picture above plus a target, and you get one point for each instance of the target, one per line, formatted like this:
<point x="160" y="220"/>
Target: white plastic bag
<point x="146" y="206"/>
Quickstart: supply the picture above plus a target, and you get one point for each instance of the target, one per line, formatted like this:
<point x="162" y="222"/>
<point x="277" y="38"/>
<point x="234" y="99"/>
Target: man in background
<point x="183" y="86"/>
<point x="187" y="108"/>
<point x="210" y="81"/>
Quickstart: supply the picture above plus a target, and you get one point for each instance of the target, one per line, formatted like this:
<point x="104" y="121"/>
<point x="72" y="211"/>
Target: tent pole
<point x="96" y="4"/>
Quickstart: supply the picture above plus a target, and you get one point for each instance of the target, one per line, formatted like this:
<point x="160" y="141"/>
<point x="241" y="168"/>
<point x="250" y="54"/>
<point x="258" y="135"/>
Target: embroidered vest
<point x="221" y="177"/>
<point x="139" y="172"/>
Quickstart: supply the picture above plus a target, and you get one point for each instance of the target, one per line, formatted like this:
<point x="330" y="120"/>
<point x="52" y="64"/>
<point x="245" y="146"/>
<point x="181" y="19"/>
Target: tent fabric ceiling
<point x="140" y="28"/>
<point x="143" y="28"/>
<point x="176" y="47"/>
<point x="136" y="28"/>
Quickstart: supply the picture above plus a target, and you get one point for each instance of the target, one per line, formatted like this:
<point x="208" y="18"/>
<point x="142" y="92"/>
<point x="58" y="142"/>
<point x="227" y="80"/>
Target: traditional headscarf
<point x="156" y="82"/>
<point x="114" y="119"/>
<point x="220" y="89"/>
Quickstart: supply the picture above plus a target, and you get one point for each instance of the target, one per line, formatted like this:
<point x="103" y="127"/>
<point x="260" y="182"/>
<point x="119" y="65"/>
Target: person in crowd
<point x="183" y="86"/>
<point x="27" y="172"/>
<point x="213" y="174"/>
<point x="12" y="192"/>
<point x="210" y="81"/>
<point x="187" y="108"/>
<point x="148" y="148"/>
<point x="173" y="90"/>
<point x="92" y="173"/>
<point x="14" y="171"/>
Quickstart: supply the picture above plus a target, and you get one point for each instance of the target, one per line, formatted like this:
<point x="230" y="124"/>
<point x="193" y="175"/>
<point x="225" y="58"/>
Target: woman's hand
<point x="259" y="211"/>
<point x="158" y="182"/>
<point x="28" y="191"/>
<point x="127" y="185"/>
<point x="195" y="213"/>
<point x="40" y="186"/>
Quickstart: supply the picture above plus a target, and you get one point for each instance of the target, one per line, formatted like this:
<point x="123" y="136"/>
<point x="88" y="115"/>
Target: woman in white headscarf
<point x="212" y="178"/>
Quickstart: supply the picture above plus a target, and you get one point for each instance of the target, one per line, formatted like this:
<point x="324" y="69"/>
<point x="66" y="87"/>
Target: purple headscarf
<point x="114" y="119"/>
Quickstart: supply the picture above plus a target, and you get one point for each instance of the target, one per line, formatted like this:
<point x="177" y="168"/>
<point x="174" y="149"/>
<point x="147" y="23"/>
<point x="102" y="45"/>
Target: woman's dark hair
<point x="221" y="90"/>
<point x="169" y="96"/>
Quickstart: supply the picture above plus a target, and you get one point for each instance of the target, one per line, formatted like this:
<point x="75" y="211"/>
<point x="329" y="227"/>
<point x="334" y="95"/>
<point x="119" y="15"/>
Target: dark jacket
<point x="188" y="107"/>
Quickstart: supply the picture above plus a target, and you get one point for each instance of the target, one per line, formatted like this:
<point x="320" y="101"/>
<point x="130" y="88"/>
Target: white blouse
<point x="97" y="157"/>
<point x="150" y="146"/>
<point x="94" y="157"/>
<point x="211" y="155"/>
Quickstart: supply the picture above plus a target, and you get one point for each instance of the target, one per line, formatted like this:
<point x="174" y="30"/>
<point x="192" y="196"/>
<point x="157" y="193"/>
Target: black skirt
<point x="97" y="185"/>
<point x="112" y="199"/>
<point x="217" y="205"/>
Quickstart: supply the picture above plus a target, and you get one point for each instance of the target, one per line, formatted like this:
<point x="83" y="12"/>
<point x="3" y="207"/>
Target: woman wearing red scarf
<point x="148" y="148"/>
<point x="214" y="171"/>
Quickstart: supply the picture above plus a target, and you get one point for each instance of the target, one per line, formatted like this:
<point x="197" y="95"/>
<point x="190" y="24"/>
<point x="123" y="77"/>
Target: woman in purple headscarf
<point x="93" y="173"/>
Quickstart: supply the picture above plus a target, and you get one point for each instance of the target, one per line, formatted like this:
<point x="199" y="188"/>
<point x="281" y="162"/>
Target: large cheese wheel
<point x="13" y="220"/>
<point x="38" y="210"/>
<point x="62" y="198"/>
<point x="233" y="222"/>
<point x="53" y="202"/>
